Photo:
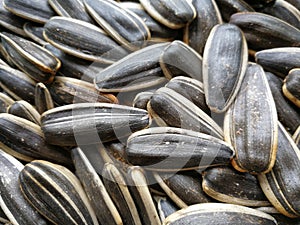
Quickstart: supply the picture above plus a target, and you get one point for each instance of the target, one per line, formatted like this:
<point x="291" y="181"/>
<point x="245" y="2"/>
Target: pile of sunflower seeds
<point x="153" y="112"/>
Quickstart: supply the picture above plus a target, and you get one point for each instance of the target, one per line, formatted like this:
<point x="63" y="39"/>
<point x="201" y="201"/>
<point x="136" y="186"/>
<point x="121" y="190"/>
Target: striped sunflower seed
<point x="197" y="32"/>
<point x="25" y="140"/>
<point x="71" y="8"/>
<point x="250" y="124"/>
<point x="169" y="108"/>
<point x="117" y="187"/>
<point x="134" y="72"/>
<point x="165" y="207"/>
<point x="172" y="14"/>
<point x="173" y="61"/>
<point x="17" y="84"/>
<point x="88" y="123"/>
<point x="25" y="110"/>
<point x="281" y="184"/>
<point x="219" y="213"/>
<point x="279" y="60"/>
<point x="173" y="149"/>
<point x="82" y="39"/>
<point x="32" y="59"/>
<point x="240" y="189"/>
<point x="97" y="194"/>
<point x="67" y="90"/>
<point x="291" y="86"/>
<point x="56" y="193"/>
<point x="264" y="31"/>
<point x="36" y="11"/>
<point x="227" y="46"/>
<point x="124" y="26"/>
<point x="42" y="98"/>
<point x="35" y="32"/>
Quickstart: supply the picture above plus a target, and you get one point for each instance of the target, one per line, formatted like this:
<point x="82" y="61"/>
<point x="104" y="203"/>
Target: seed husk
<point x="117" y="187"/>
<point x="174" y="15"/>
<point x="36" y="11"/>
<point x="56" y="193"/>
<point x="141" y="99"/>
<point x="11" y="198"/>
<point x="291" y="87"/>
<point x="250" y="124"/>
<point x="287" y="112"/>
<point x="24" y="140"/>
<point x="71" y="8"/>
<point x="11" y="21"/>
<point x="159" y="32"/>
<point x="134" y="72"/>
<point x="284" y="11"/>
<point x="281" y="184"/>
<point x="32" y="59"/>
<point x="35" y="32"/>
<point x="174" y="149"/>
<point x="101" y="202"/>
<point x="191" y="89"/>
<point x="25" y="110"/>
<point x="240" y="188"/>
<point x="90" y="123"/>
<point x="76" y="67"/>
<point x="227" y="46"/>
<point x="196" y="32"/>
<point x="173" y="61"/>
<point x="219" y="213"/>
<point x="17" y="84"/>
<point x="42" y="98"/>
<point x="296" y="137"/>
<point x="82" y="39"/>
<point x="184" y="188"/>
<point x="142" y="196"/>
<point x="67" y="90"/>
<point x="5" y="102"/>
<point x="279" y="61"/>
<point x="169" y="108"/>
<point x="124" y="26"/>
<point x="264" y="31"/>
<point x="230" y="7"/>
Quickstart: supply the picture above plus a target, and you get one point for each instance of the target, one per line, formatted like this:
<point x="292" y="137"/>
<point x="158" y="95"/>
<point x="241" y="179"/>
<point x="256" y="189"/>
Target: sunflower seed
<point x="102" y="203"/>
<point x="172" y="14"/>
<point x="170" y="108"/>
<point x="124" y="26"/>
<point x="25" y="110"/>
<point x="196" y="32"/>
<point x="42" y="98"/>
<point x="24" y="140"/>
<point x="291" y="86"/>
<point x="134" y="72"/>
<point x="56" y="193"/>
<point x="35" y="33"/>
<point x="176" y="149"/>
<point x="13" y="203"/>
<point x="116" y="185"/>
<point x="287" y="112"/>
<point x="281" y="185"/>
<point x="219" y="213"/>
<point x="142" y="196"/>
<point x="227" y="46"/>
<point x="88" y="123"/>
<point x="264" y="31"/>
<point x="240" y="188"/>
<point x="36" y="11"/>
<point x="250" y="124"/>
<point x="67" y="90"/>
<point x="82" y="39"/>
<point x="17" y="84"/>
<point x="279" y="60"/>
<point x="296" y="137"/>
<point x="71" y="8"/>
<point x="141" y="99"/>
<point x="32" y="59"/>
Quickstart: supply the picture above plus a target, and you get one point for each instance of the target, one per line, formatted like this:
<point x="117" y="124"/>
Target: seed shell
<point x="35" y="32"/>
<point x="42" y="98"/>
<point x="5" y="102"/>
<point x="291" y="86"/>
